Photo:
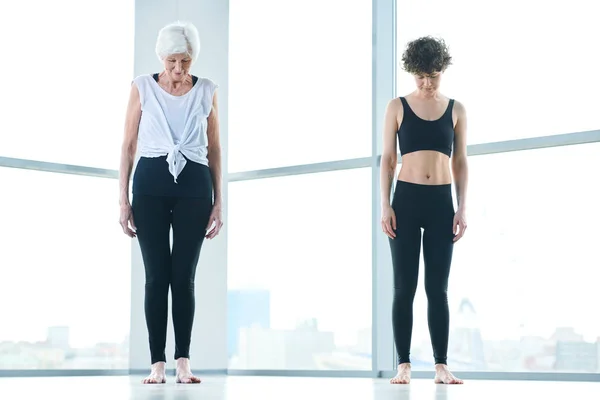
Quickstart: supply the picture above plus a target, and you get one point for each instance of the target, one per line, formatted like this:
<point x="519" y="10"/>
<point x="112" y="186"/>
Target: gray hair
<point x="178" y="38"/>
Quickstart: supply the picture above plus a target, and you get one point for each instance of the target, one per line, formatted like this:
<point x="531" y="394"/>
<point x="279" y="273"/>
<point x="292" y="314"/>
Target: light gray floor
<point x="278" y="388"/>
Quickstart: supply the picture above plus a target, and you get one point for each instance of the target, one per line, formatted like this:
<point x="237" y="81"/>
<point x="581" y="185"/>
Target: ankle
<point x="404" y="365"/>
<point x="158" y="366"/>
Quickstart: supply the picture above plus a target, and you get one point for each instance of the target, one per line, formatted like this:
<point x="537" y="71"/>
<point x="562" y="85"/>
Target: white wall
<point x="209" y="346"/>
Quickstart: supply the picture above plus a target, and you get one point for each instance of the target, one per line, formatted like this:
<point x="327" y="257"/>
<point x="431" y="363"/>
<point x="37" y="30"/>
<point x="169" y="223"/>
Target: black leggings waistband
<point x="422" y="187"/>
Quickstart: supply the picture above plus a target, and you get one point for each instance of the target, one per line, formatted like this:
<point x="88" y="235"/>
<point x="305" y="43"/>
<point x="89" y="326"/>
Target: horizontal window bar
<point x="302" y="169"/>
<point x="508" y="376"/>
<point x="35" y="373"/>
<point x="541" y="142"/>
<point x="58" y="168"/>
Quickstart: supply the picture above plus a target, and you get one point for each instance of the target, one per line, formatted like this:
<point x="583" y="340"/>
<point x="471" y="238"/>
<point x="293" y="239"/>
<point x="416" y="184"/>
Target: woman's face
<point x="177" y="66"/>
<point x="428" y="84"/>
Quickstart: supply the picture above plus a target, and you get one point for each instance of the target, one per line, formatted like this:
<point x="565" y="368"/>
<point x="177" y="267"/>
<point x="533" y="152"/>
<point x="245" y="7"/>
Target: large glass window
<point x="68" y="68"/>
<point x="299" y="276"/>
<point x="65" y="267"/>
<point x="522" y="68"/>
<point x="524" y="276"/>
<point x="300" y="79"/>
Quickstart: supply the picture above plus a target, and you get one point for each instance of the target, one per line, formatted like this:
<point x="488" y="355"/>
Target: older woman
<point x="172" y="122"/>
<point x="430" y="130"/>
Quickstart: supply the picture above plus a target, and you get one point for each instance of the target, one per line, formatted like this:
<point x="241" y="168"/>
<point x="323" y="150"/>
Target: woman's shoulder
<point x="458" y="106"/>
<point x="143" y="76"/>
<point x="204" y="81"/>
<point x="139" y="79"/>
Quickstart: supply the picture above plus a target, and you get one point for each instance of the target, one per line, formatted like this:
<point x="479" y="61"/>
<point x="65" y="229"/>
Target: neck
<point x="428" y="96"/>
<point x="172" y="84"/>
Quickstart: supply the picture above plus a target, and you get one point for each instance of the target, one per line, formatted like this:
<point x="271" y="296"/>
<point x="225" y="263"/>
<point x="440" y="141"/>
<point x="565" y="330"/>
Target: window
<point x="516" y="79"/>
<point x="300" y="79"/>
<point x="299" y="276"/>
<point x="68" y="80"/>
<point x="65" y="266"/>
<point x="524" y="277"/>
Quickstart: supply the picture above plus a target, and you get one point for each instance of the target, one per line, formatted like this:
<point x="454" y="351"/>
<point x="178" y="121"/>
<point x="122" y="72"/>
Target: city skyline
<point x="564" y="350"/>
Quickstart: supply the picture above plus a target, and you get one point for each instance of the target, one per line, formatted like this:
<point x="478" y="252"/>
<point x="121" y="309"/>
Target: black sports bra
<point x="194" y="78"/>
<point x="417" y="134"/>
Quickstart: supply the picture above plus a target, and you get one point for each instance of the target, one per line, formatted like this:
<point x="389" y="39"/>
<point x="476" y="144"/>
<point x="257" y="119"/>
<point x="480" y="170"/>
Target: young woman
<point x="430" y="130"/>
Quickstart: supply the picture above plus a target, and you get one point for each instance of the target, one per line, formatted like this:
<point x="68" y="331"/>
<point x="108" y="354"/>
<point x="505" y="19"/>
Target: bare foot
<point x="403" y="375"/>
<point x="157" y="374"/>
<point x="443" y="375"/>
<point x="184" y="373"/>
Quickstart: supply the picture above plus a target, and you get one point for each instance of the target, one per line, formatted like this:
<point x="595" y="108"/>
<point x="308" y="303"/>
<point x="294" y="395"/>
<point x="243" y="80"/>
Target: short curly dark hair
<point x="426" y="55"/>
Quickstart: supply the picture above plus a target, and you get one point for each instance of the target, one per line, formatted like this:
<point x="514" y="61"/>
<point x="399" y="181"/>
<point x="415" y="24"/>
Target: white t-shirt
<point x="175" y="126"/>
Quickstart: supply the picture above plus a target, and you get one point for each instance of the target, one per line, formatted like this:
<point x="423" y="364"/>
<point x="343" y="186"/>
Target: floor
<point x="271" y="388"/>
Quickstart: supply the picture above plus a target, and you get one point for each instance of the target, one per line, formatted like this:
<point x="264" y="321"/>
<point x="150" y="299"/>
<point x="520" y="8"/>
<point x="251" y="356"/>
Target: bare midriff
<point x="425" y="168"/>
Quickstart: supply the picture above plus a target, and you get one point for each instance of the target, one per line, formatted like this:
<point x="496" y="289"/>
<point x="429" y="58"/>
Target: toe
<point x="188" y="378"/>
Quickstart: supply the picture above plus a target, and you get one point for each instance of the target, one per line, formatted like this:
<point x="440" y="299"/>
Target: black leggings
<point x="154" y="216"/>
<point x="429" y="207"/>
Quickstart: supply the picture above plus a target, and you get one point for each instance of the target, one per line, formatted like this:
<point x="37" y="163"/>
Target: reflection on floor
<point x="277" y="388"/>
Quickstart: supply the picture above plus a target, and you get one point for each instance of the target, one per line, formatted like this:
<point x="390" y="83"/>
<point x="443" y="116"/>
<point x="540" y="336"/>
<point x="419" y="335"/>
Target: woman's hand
<point x="215" y="222"/>
<point x="459" y="225"/>
<point x="126" y="220"/>
<point x="388" y="221"/>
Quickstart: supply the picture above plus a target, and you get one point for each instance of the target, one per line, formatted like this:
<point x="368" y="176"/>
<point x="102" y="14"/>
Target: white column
<point x="384" y="89"/>
<point x="209" y="346"/>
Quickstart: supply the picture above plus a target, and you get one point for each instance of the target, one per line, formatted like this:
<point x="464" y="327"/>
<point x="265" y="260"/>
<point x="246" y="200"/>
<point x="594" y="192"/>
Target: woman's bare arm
<point x="389" y="161"/>
<point x="389" y="156"/>
<point x="129" y="147"/>
<point x="214" y="151"/>
<point x="460" y="168"/>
